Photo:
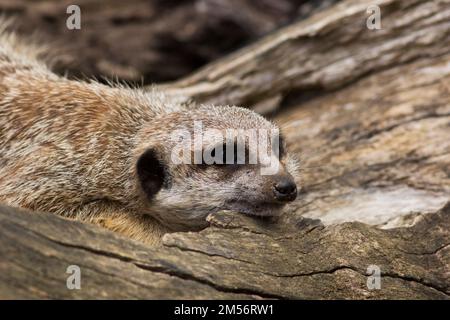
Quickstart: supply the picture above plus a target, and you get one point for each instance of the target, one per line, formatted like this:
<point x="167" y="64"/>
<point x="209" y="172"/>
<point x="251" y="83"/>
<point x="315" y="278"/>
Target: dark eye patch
<point x="152" y="173"/>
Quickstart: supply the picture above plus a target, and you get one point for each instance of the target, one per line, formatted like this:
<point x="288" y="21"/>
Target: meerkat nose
<point x="285" y="189"/>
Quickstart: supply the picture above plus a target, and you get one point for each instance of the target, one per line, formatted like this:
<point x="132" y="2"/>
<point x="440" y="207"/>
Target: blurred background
<point x="151" y="40"/>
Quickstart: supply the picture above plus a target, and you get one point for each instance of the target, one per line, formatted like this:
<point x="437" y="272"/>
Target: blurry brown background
<point x="151" y="40"/>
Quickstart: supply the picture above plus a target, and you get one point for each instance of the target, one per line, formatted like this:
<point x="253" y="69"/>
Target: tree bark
<point x="367" y="113"/>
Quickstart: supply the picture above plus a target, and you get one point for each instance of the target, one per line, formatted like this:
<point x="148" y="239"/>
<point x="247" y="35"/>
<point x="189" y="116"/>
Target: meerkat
<point x="102" y="154"/>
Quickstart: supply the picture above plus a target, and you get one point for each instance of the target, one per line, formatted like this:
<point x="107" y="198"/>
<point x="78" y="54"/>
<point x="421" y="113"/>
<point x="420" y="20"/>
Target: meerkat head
<point x="196" y="162"/>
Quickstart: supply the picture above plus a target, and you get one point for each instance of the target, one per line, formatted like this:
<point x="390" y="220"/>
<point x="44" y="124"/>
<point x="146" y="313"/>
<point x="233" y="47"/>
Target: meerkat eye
<point x="223" y="159"/>
<point x="235" y="154"/>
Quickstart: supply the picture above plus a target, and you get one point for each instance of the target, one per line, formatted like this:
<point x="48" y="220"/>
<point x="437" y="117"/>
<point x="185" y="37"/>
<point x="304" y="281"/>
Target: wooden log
<point x="237" y="257"/>
<point x="368" y="115"/>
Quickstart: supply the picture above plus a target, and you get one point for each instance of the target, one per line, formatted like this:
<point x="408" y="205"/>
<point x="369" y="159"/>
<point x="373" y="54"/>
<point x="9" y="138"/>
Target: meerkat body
<point x="101" y="154"/>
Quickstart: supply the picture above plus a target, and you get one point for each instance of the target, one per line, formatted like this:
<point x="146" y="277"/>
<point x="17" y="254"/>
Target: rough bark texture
<point x="368" y="115"/>
<point x="151" y="40"/>
<point x="377" y="151"/>
<point x="237" y="257"/>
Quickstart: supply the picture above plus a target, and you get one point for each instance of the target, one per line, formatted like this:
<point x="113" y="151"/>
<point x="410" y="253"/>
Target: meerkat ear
<point x="151" y="172"/>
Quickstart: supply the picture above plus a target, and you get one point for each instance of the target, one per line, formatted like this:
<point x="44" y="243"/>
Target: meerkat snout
<point x="285" y="188"/>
